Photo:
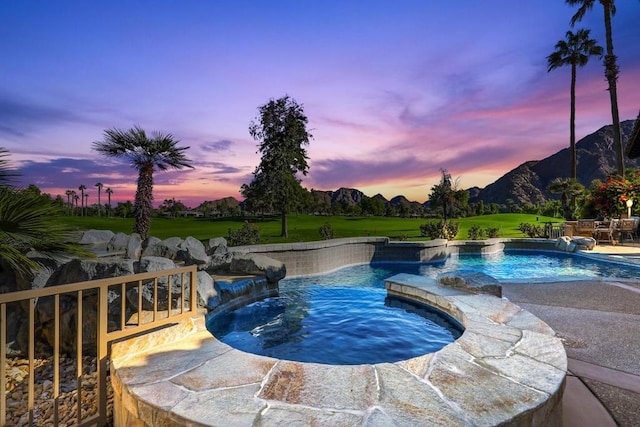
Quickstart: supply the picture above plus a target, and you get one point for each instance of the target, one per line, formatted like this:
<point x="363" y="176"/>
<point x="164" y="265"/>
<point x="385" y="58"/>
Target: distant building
<point x="191" y="214"/>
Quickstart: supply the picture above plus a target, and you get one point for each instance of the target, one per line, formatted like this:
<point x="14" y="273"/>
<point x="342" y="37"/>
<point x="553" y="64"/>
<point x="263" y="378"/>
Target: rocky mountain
<point x="346" y="196"/>
<point x="401" y="201"/>
<point x="527" y="183"/>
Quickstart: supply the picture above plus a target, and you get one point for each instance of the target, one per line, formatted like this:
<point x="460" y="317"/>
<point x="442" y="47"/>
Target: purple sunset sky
<point x="394" y="91"/>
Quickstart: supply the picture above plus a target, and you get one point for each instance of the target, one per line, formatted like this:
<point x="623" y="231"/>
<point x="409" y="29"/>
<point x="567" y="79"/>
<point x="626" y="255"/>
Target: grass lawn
<point x="305" y="227"/>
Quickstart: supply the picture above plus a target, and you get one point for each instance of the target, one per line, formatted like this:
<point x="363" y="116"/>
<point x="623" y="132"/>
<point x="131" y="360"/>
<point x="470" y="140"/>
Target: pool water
<point x="345" y="317"/>
<point x="529" y="266"/>
<point x="340" y="318"/>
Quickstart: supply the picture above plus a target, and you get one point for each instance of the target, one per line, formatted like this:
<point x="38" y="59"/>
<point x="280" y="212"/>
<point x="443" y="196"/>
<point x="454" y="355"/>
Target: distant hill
<point x="527" y="183"/>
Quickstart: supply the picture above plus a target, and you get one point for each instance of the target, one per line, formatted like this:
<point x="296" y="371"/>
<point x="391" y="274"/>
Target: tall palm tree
<point x="75" y="199"/>
<point x="69" y="193"/>
<point x="611" y="68"/>
<point x="574" y="51"/>
<point x="99" y="185"/>
<point x="109" y="192"/>
<point x="144" y="154"/>
<point x="82" y="188"/>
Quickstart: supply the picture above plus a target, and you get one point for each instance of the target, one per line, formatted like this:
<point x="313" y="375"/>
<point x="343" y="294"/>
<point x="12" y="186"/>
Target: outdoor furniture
<point x="606" y="232"/>
<point x="627" y="228"/>
<point x="585" y="228"/>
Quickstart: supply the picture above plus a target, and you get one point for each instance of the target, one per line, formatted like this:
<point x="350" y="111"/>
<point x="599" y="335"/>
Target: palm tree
<point x="144" y="154"/>
<point x="82" y="188"/>
<point x="574" y="51"/>
<point x="611" y="68"/>
<point x="568" y="188"/>
<point x="69" y="193"/>
<point x="99" y="185"/>
<point x="28" y="221"/>
<point x="109" y="191"/>
<point x="75" y="197"/>
<point x="86" y="204"/>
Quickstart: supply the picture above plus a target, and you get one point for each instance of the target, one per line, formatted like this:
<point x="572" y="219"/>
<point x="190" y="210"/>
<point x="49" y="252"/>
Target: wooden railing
<point x="139" y="322"/>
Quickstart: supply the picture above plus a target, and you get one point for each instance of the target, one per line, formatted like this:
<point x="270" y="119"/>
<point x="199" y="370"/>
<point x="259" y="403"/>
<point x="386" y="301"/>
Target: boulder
<point x="96" y="237"/>
<point x="219" y="262"/>
<point x="217" y="245"/>
<point x="206" y="289"/>
<point x="564" y="243"/>
<point x="83" y="269"/>
<point x="256" y="264"/>
<point x="167" y="248"/>
<point x="149" y="264"/>
<point x="587" y="243"/>
<point x="192" y="251"/>
<point x="130" y="244"/>
<point x="471" y="281"/>
<point x="80" y="270"/>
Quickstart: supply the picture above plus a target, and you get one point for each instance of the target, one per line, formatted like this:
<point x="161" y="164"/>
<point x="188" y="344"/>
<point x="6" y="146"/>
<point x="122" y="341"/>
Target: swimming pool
<point x="528" y="266"/>
<point x="345" y="316"/>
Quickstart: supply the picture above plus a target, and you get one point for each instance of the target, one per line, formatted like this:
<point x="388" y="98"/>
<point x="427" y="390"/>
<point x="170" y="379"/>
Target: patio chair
<point x="585" y="227"/>
<point x="627" y="229"/>
<point x="606" y="234"/>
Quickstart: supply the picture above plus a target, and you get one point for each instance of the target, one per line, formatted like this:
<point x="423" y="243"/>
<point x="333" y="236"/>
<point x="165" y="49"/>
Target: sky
<point x="394" y="91"/>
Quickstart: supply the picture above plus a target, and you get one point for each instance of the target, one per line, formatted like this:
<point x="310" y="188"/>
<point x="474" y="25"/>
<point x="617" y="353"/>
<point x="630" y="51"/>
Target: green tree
<point x="282" y="132"/>
<point x="611" y="68"/>
<point x="99" y="185"/>
<point x="124" y="209"/>
<point x="447" y="196"/>
<point x="568" y="188"/>
<point x="28" y="221"/>
<point x="144" y="154"/>
<point x="574" y="51"/>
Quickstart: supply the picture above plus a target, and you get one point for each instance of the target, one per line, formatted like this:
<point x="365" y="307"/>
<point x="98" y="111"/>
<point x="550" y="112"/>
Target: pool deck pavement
<point x="599" y="323"/>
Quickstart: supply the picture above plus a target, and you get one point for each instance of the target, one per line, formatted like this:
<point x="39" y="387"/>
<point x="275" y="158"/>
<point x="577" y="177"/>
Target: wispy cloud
<point x="217" y="146"/>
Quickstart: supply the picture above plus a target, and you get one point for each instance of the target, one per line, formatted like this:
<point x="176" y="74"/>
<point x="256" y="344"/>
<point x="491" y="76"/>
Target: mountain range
<point x="528" y="182"/>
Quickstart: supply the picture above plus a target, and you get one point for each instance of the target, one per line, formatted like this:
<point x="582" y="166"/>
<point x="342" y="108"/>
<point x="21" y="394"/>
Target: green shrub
<point x="475" y="232"/>
<point x="326" y="231"/>
<point x="249" y="234"/>
<point x="492" y="232"/>
<point x="440" y="230"/>
<point x="532" y="230"/>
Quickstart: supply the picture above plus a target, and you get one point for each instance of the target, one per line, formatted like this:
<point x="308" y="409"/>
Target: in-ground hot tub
<point x="507" y="367"/>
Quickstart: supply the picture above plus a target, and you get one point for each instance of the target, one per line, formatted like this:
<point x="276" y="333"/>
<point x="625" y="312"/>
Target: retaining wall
<point x="327" y="255"/>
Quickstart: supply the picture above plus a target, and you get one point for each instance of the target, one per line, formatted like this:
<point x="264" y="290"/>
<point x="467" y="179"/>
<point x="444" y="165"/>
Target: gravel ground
<point x="44" y="413"/>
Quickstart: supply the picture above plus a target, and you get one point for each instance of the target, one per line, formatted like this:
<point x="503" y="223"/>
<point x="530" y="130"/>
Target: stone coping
<point x="507" y="367"/>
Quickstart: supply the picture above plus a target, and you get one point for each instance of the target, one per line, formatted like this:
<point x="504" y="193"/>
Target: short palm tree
<point x="611" y="68"/>
<point x="27" y="222"/>
<point x="574" y="51"/>
<point x="568" y="188"/>
<point x="144" y="154"/>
